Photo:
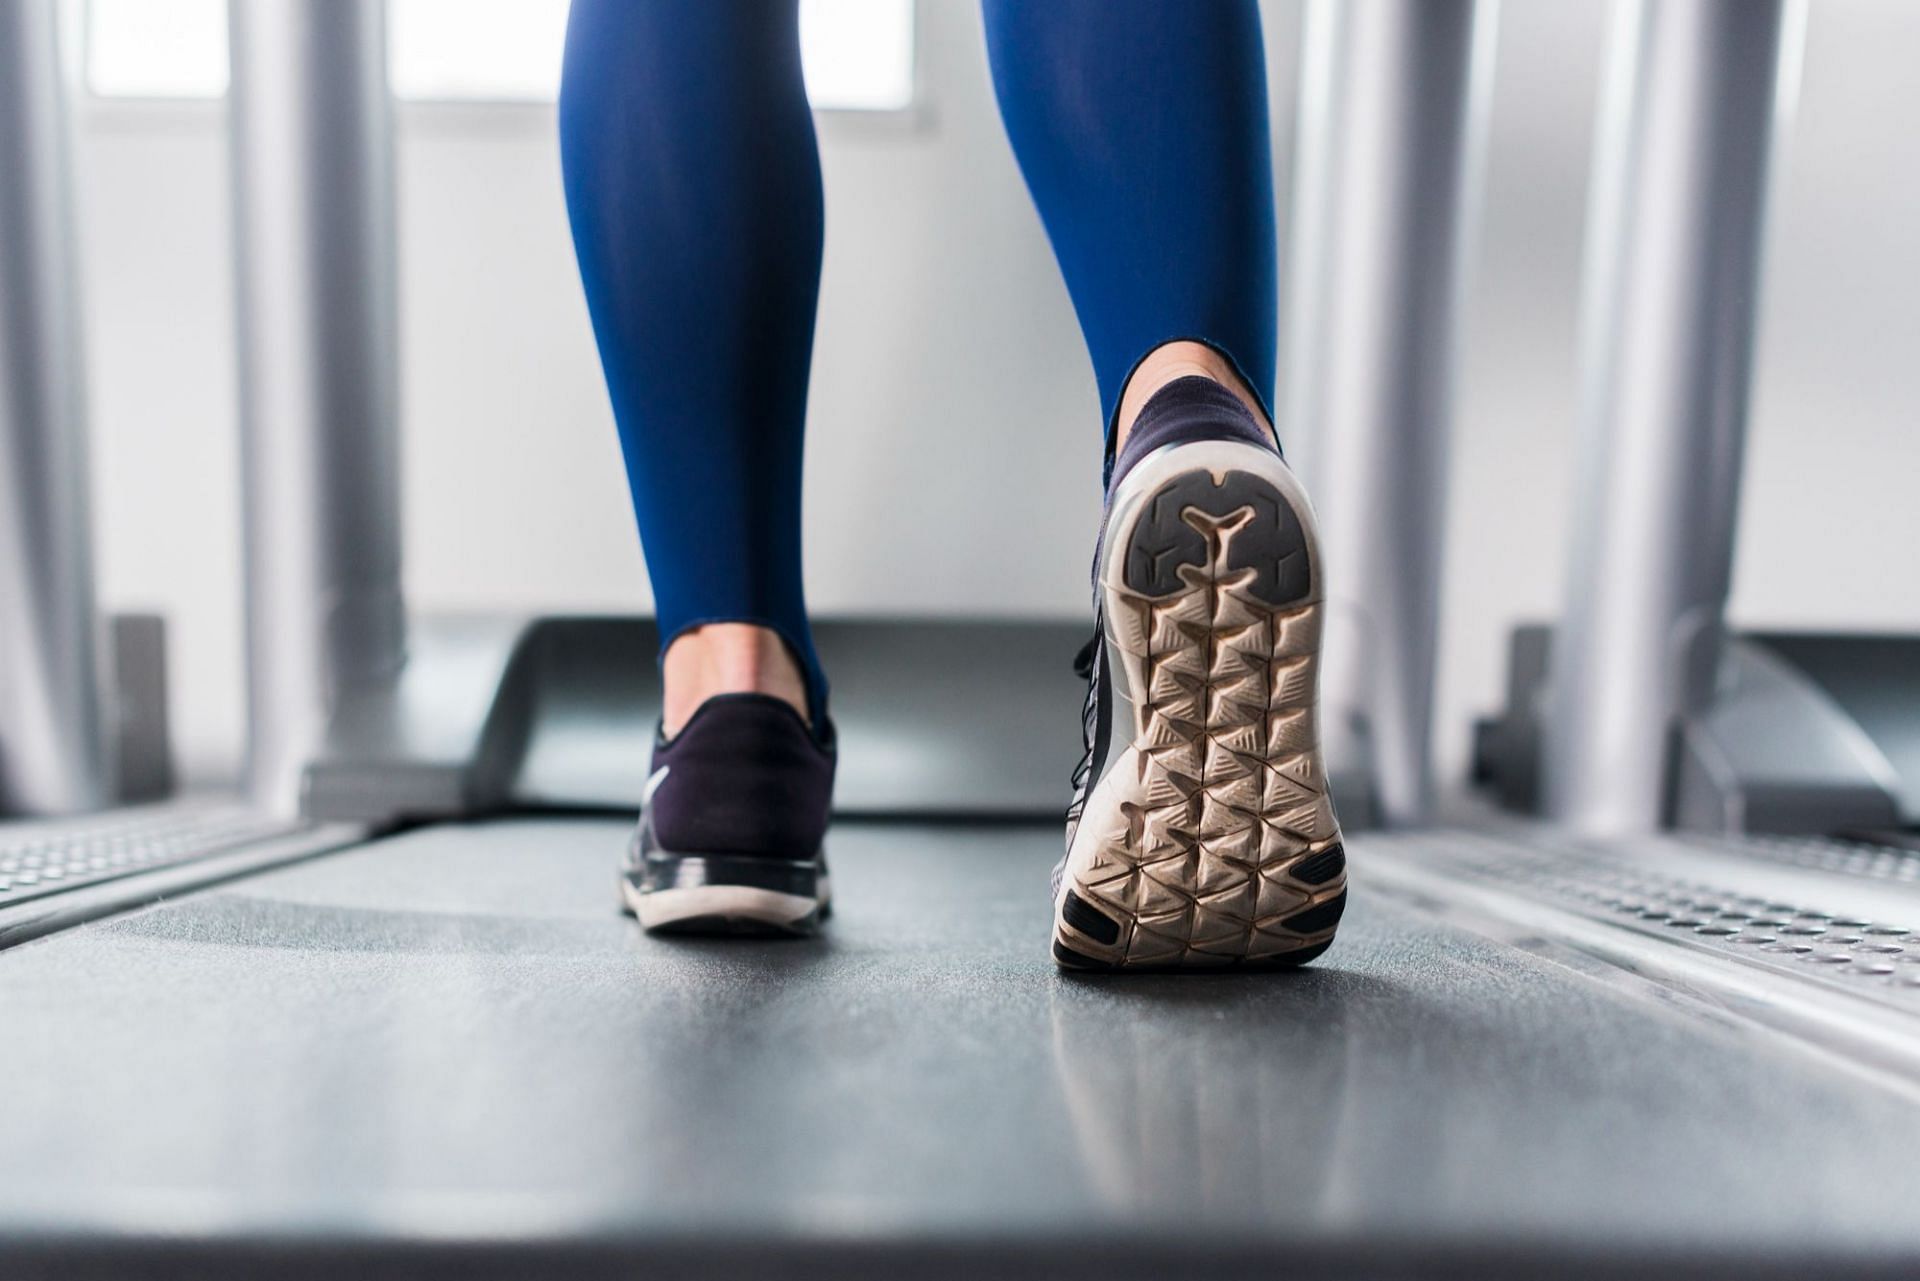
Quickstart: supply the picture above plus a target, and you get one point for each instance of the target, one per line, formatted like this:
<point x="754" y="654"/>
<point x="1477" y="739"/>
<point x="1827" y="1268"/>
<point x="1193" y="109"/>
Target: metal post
<point x="53" y="751"/>
<point x="1672" y="286"/>
<point x="314" y="220"/>
<point x="1393" y="101"/>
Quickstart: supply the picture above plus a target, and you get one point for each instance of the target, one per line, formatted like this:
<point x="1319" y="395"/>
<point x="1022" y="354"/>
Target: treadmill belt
<point x="446" y="1053"/>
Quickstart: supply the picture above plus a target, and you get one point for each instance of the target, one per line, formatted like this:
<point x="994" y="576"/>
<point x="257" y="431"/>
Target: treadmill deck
<point x="447" y="1052"/>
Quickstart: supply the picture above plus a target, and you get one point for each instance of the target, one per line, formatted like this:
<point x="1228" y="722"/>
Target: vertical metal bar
<point x="1672" y="290"/>
<point x="53" y="753"/>
<point x="315" y="223"/>
<point x="1392" y="112"/>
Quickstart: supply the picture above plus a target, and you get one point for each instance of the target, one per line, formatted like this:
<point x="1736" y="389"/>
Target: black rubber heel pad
<point x="1089" y="920"/>
<point x="1323" y="916"/>
<point x="1322" y="867"/>
<point x="1273" y="544"/>
<point x="1309" y="953"/>
<point x="1077" y="960"/>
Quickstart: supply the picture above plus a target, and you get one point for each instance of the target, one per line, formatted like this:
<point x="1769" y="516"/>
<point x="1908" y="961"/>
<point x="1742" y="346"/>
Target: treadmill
<point x="378" y="1013"/>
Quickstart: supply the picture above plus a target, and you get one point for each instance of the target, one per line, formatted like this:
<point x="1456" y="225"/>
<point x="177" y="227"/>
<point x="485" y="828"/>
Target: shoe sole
<point x="1210" y="841"/>
<point x="671" y="893"/>
<point x="723" y="909"/>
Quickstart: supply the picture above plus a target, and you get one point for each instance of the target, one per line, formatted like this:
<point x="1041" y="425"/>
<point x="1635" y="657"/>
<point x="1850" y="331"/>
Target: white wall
<point x="954" y="434"/>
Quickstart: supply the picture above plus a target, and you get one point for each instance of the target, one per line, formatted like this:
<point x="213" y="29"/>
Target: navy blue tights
<point x="693" y="187"/>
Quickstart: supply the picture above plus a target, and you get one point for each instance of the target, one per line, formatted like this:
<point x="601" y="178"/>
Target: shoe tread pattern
<point x="1227" y="851"/>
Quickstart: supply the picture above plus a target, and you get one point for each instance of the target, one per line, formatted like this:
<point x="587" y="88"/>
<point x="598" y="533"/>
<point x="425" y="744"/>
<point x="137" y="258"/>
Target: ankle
<point x="1172" y="361"/>
<point x="727" y="658"/>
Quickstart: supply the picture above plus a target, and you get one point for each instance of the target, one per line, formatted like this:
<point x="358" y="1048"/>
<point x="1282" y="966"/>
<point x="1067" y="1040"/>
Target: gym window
<point x="858" y="54"/>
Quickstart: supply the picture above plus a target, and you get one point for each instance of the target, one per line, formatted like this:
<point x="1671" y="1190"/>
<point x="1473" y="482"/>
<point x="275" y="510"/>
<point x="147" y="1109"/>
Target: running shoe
<point x="732" y="823"/>
<point x="1201" y="834"/>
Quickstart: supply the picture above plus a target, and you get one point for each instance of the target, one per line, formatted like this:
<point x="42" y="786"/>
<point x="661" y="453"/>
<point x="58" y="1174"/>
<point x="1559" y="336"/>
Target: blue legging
<point x="693" y="187"/>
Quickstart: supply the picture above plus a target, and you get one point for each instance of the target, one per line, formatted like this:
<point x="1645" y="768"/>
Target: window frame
<point x="478" y="114"/>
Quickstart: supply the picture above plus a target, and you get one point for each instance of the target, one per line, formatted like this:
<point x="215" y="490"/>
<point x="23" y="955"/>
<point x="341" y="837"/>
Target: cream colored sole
<point x="724" y="909"/>
<point x="1211" y="839"/>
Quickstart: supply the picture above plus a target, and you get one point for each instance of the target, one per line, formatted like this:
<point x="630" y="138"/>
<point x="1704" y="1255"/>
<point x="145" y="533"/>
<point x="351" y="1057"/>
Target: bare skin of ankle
<point x="1168" y="362"/>
<point x="727" y="658"/>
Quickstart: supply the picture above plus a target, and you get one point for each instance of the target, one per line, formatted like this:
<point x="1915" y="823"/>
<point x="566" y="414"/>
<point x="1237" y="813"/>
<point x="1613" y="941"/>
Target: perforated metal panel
<point x="42" y="858"/>
<point x="1886" y="953"/>
<point x="1820" y="854"/>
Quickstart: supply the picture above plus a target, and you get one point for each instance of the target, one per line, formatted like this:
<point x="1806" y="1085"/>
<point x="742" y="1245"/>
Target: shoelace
<point x="1085" y="666"/>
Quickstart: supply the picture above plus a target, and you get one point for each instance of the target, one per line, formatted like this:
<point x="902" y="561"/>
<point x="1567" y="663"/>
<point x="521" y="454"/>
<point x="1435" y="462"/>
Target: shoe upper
<point x="744" y="776"/>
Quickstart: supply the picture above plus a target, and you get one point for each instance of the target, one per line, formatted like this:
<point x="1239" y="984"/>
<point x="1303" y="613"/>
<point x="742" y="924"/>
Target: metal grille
<point x="41" y="858"/>
<point x="1880" y="955"/>
<point x="1821" y="854"/>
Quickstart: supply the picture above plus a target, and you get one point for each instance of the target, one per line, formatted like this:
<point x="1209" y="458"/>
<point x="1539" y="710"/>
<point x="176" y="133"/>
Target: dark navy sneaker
<point x="1201" y="833"/>
<point x="732" y="821"/>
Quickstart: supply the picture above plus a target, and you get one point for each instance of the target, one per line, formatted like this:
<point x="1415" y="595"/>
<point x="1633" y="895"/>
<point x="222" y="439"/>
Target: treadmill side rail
<point x="1774" y="750"/>
<point x="1673" y="262"/>
<point x="937" y="719"/>
<point x="317" y="312"/>
<point x="54" y="753"/>
<point x="1392" y="125"/>
<point x="1774" y="753"/>
<point x="441" y="740"/>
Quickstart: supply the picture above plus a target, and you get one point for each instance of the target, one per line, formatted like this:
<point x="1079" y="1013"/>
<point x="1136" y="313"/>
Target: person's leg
<point x="1201" y="833"/>
<point x="693" y="187"/>
<point x="1141" y="128"/>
